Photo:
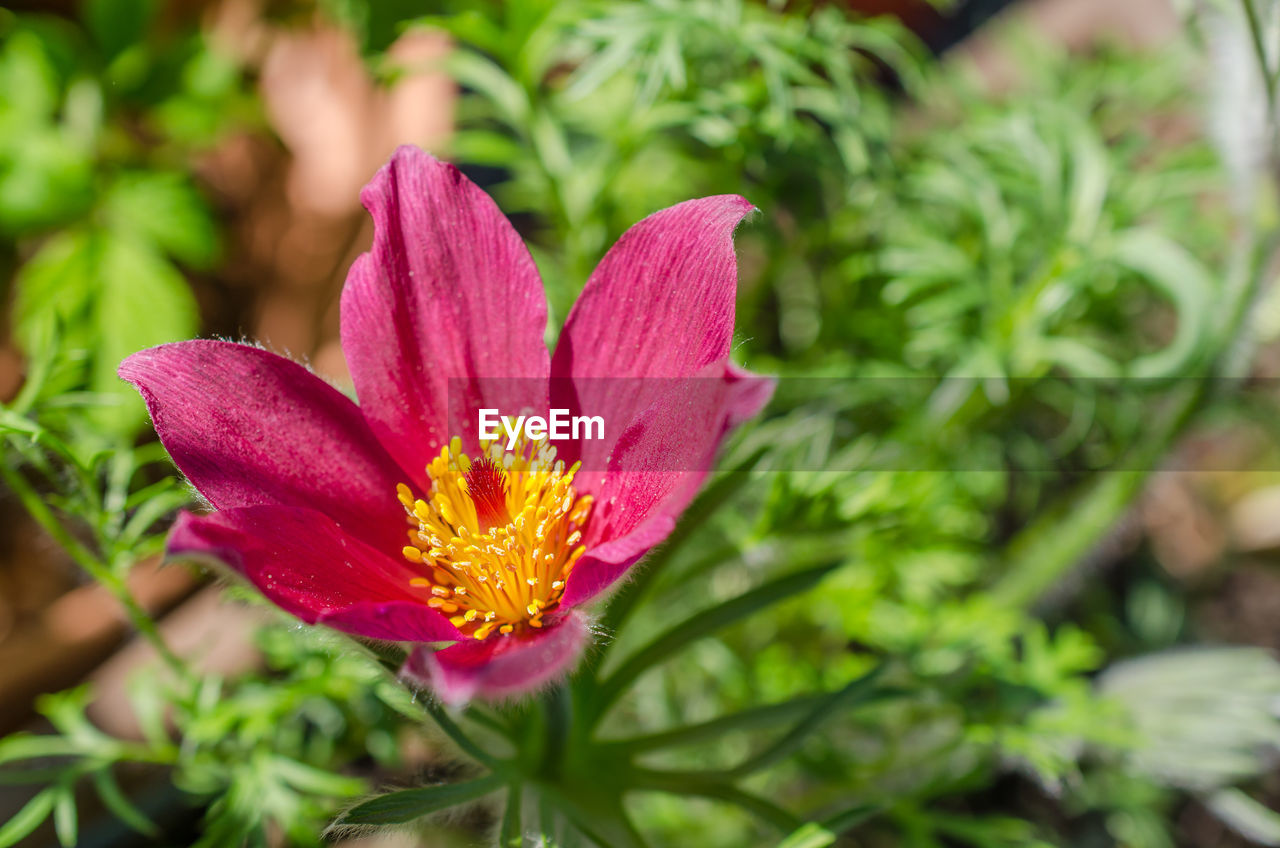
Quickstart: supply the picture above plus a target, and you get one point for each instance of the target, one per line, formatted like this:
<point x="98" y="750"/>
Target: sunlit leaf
<point x="165" y="209"/>
<point x="117" y="24"/>
<point x="409" y="804"/>
<point x="28" y="818"/>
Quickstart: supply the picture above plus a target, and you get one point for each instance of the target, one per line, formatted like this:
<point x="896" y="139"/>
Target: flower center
<point x="497" y="537"/>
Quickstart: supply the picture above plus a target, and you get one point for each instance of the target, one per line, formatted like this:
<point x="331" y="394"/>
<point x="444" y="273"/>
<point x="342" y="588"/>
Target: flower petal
<point x="249" y="427"/>
<point x="602" y="566"/>
<point x="500" y="666"/>
<point x="656" y="467"/>
<point x="748" y="394"/>
<point x="659" y="305"/>
<point x="444" y="314"/>
<point x="309" y="567"/>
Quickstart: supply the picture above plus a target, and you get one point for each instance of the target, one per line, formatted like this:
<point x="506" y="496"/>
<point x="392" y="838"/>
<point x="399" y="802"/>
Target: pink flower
<point x="316" y="497"/>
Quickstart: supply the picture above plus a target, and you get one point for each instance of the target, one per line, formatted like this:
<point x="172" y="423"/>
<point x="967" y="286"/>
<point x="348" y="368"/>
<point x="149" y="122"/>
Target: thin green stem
<point x="558" y="709"/>
<point x="750" y="719"/>
<point x="483" y="717"/>
<point x="1256" y="36"/>
<point x="451" y="729"/>
<point x="407" y="805"/>
<point x="819" y="711"/>
<point x="596" y="810"/>
<point x="700" y="625"/>
<point x="142" y="622"/>
<point x="512" y="833"/>
<point x="853" y="692"/>
<point x="692" y="783"/>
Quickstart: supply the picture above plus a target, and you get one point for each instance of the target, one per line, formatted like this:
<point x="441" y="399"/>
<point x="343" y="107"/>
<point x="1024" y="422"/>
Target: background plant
<point x="977" y="303"/>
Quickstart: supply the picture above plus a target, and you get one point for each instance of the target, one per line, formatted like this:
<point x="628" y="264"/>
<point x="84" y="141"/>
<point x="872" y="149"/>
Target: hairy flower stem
<point x="557" y="709"/>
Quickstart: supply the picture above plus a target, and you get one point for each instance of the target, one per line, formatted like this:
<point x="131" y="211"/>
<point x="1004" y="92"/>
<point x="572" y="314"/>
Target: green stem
<point x="692" y="783"/>
<point x="859" y="689"/>
<point x="512" y="833"/>
<point x="755" y="718"/>
<point x="558" y="709"/>
<point x="1260" y="53"/>
<point x="596" y="810"/>
<point x="461" y="739"/>
<point x="703" y="624"/>
<point x="142" y="622"/>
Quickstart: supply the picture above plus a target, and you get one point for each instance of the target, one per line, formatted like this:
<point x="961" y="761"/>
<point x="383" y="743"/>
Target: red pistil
<point x="487" y="484"/>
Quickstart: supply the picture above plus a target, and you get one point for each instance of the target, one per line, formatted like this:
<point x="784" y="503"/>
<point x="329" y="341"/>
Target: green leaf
<point x="53" y="287"/>
<point x="1246" y="816"/>
<point x="112" y="296"/>
<point x="762" y="717"/>
<point x="143" y="301"/>
<point x="166" y="210"/>
<point x="118" y="24"/>
<point x="315" y="781"/>
<point x="31" y="85"/>
<point x="854" y="691"/>
<point x="409" y="804"/>
<point x="1184" y="280"/>
<point x="119" y="805"/>
<point x="28" y="818"/>
<point x="1090" y="178"/>
<point x="810" y="835"/>
<point x="485" y="147"/>
<point x="28" y="747"/>
<point x="494" y="83"/>
<point x="65" y="819"/>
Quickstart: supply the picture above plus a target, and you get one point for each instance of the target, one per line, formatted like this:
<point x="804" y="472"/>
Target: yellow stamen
<point x="503" y="558"/>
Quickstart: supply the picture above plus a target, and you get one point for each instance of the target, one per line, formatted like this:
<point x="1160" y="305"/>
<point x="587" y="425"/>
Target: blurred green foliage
<point x="100" y="119"/>
<point x="952" y="281"/>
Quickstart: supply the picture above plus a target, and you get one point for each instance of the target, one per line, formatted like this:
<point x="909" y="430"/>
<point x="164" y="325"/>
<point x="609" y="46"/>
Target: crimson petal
<point x="658" y="307"/>
<point x="248" y="427"/>
<point x="656" y="468"/>
<point x="309" y="567"/>
<point x="445" y="315"/>
<point x="502" y="665"/>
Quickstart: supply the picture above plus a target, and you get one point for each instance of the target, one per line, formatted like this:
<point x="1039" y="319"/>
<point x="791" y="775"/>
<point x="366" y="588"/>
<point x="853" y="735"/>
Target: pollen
<point x="496" y="537"/>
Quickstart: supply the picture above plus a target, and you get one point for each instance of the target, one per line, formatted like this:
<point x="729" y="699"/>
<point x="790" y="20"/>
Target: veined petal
<point x="659" y="305"/>
<point x="248" y="427"/>
<point x="606" y="564"/>
<point x="309" y="567"/>
<point x="500" y="666"/>
<point x="656" y="467"/>
<point x="446" y="305"/>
